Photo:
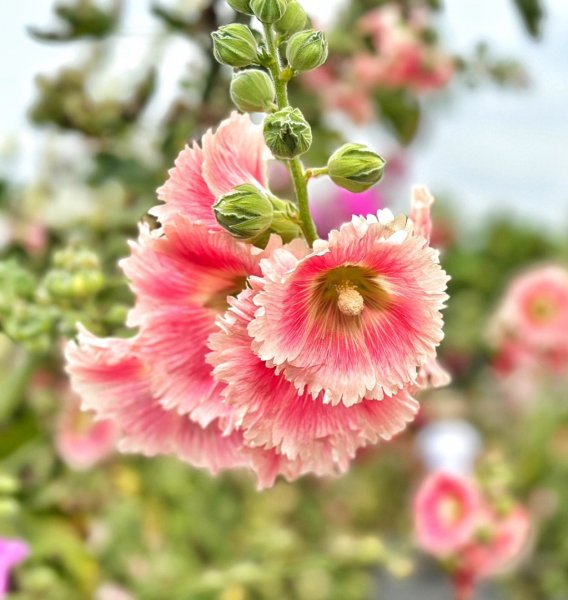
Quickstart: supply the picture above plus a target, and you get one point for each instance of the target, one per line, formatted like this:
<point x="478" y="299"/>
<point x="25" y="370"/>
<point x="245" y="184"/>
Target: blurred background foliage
<point x="132" y="528"/>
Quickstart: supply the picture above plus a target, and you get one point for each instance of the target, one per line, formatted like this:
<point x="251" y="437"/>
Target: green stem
<point x="295" y="165"/>
<point x="316" y="172"/>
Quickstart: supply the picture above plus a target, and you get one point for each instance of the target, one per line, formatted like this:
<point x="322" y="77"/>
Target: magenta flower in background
<point x="12" y="552"/>
<point x="338" y="205"/>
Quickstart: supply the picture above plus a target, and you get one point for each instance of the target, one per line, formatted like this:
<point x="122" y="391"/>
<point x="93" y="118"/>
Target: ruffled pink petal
<point x="378" y="356"/>
<point x="432" y="375"/>
<point x="113" y="382"/>
<point x="272" y="415"/>
<point x="185" y="192"/>
<point x="181" y="277"/>
<point x="235" y="154"/>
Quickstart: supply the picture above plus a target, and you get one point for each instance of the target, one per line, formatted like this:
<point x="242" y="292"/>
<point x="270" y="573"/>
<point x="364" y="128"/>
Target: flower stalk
<point x="295" y="166"/>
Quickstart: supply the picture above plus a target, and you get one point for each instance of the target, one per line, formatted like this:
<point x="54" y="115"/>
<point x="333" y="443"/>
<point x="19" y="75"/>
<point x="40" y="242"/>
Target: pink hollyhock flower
<point x="499" y="544"/>
<point x="532" y="322"/>
<point x="315" y="436"/>
<point x="403" y="58"/>
<point x="358" y="316"/>
<point x="81" y="440"/>
<point x="446" y="513"/>
<point x="12" y="552"/>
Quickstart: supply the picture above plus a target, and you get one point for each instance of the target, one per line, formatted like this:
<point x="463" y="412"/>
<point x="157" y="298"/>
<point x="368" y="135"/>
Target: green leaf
<point x="532" y="13"/>
<point x="400" y="111"/>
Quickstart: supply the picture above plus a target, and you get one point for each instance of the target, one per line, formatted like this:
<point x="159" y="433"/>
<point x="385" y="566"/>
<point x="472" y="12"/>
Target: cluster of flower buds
<point x="262" y="69"/>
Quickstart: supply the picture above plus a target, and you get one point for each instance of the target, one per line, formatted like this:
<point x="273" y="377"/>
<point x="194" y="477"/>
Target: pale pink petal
<point x="182" y="277"/>
<point x="82" y="441"/>
<point x="236" y="153"/>
<point x="420" y="206"/>
<point x="185" y="192"/>
<point x="113" y="382"/>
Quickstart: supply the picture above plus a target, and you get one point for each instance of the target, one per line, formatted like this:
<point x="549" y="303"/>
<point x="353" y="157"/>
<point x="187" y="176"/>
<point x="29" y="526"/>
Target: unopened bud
<point x="293" y="20"/>
<point x="307" y="50"/>
<point x="355" y="167"/>
<point x="252" y="91"/>
<point x="286" y="221"/>
<point x="268" y="11"/>
<point x="287" y="133"/>
<point x="235" y="45"/>
<point x="246" y="212"/>
<point x="242" y="6"/>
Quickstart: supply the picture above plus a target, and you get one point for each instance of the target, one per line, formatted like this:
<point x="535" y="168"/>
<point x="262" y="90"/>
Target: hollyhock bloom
<point x="403" y="58"/>
<point x="531" y="325"/>
<point x="446" y="513"/>
<point x="499" y="545"/>
<point x="82" y="441"/>
<point x="358" y="316"/>
<point x="454" y="521"/>
<point x="12" y="552"/>
<point x="316" y="436"/>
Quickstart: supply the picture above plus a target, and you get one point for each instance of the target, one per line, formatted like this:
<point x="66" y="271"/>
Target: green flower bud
<point x="287" y="133"/>
<point x="293" y="20"/>
<point x="355" y="167"/>
<point x="253" y="91"/>
<point x="242" y="6"/>
<point x="268" y="11"/>
<point x="246" y="212"/>
<point x="235" y="45"/>
<point x="307" y="50"/>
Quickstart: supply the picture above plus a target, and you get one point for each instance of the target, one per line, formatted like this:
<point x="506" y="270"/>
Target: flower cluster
<point x="399" y="57"/>
<point x="258" y="344"/>
<point x="530" y="326"/>
<point x="459" y="524"/>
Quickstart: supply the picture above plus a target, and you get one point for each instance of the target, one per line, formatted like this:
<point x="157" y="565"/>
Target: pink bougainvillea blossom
<point x="358" y="316"/>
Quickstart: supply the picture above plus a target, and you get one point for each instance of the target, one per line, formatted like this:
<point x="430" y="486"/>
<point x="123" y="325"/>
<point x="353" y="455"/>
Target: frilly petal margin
<point x="113" y="382"/>
<point x="272" y="415"/>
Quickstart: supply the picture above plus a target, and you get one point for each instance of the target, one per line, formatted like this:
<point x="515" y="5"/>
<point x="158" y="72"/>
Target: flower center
<point x="542" y="309"/>
<point x="349" y="300"/>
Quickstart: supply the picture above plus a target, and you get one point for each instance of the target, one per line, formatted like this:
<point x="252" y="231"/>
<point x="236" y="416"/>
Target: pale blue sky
<point x="489" y="148"/>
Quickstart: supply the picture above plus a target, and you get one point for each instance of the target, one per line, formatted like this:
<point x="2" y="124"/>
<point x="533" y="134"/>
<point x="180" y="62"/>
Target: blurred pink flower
<point x="403" y="58"/>
<point x="358" y="316"/>
<point x="12" y="552"/>
<point x="531" y="324"/>
<point x="446" y="513"/>
<point x="81" y="440"/>
<point x="456" y="522"/>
